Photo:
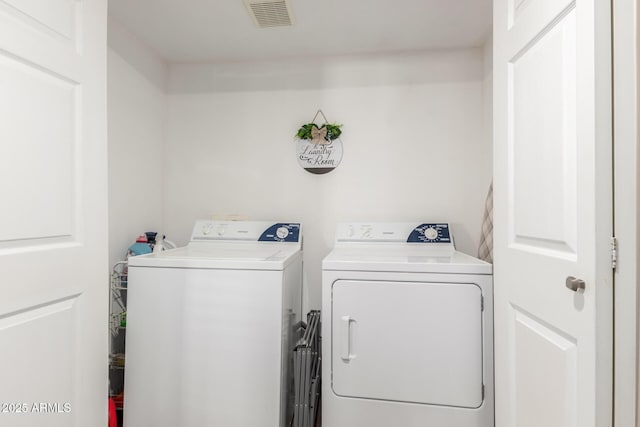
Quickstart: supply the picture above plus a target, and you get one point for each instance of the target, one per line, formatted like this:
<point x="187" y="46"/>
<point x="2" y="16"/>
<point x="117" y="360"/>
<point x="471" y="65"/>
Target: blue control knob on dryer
<point x="282" y="232"/>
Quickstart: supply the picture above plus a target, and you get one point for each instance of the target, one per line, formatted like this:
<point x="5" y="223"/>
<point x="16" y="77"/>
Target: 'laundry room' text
<point x="318" y="155"/>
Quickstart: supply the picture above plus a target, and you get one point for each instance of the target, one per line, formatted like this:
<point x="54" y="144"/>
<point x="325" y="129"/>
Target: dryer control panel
<point x="424" y="233"/>
<point x="430" y="233"/>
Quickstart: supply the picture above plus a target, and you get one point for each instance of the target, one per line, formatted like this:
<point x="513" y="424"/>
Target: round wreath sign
<point x="318" y="147"/>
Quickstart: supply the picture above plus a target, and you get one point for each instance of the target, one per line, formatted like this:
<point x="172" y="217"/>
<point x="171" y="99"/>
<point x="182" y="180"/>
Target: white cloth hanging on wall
<point x="485" y="250"/>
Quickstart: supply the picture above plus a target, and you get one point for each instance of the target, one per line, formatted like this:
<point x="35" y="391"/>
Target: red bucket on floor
<point x="113" y="416"/>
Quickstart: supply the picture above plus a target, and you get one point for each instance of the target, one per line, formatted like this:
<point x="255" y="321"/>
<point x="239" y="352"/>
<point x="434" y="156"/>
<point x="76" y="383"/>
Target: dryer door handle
<point x="346" y="323"/>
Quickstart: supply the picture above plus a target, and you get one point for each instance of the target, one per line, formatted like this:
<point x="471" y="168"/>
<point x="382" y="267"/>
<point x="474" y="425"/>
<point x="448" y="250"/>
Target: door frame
<point x="626" y="210"/>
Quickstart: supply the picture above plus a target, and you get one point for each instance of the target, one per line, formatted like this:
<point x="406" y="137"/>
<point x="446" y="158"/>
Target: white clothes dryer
<point x="407" y="329"/>
<point x="210" y="328"/>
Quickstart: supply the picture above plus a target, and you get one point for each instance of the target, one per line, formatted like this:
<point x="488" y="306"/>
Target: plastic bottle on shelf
<point x="159" y="246"/>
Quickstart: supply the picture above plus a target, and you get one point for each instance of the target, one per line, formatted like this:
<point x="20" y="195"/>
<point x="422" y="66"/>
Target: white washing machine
<point x="407" y="329"/>
<point x="210" y="328"/>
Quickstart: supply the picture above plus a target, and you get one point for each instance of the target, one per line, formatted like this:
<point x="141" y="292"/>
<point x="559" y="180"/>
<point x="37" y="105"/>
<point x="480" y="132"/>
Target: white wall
<point x="414" y="135"/>
<point x="137" y="115"/>
<point x="488" y="93"/>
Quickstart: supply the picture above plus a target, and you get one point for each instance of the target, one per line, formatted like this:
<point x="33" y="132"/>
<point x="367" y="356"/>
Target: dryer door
<point x="407" y="341"/>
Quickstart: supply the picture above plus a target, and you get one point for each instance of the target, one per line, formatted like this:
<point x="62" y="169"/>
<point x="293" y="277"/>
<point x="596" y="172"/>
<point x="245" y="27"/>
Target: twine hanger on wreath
<point x="319" y="135"/>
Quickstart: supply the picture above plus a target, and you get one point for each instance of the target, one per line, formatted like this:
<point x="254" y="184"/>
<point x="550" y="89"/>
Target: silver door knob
<point x="574" y="284"/>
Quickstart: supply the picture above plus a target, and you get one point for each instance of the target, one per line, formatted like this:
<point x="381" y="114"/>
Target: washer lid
<point x="238" y="245"/>
<point x="223" y="255"/>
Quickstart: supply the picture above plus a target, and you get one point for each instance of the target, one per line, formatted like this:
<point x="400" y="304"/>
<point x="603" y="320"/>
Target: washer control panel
<point x="281" y="232"/>
<point x="260" y="231"/>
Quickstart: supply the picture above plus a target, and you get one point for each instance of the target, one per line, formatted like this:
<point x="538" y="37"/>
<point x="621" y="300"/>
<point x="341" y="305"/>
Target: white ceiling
<point x="223" y="30"/>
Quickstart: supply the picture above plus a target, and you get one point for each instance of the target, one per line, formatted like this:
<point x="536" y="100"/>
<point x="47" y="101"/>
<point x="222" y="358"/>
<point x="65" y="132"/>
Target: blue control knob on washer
<point x="431" y="233"/>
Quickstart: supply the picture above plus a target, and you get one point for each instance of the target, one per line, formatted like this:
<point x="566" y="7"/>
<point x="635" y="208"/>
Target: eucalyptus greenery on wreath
<point x="319" y="134"/>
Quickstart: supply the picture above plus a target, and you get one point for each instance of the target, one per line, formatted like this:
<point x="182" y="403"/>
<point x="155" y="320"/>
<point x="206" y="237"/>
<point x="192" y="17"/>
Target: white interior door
<point x="53" y="224"/>
<point x="553" y="212"/>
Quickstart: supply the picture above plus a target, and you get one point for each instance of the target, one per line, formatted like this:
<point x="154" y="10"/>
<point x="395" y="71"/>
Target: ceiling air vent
<point x="267" y="14"/>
